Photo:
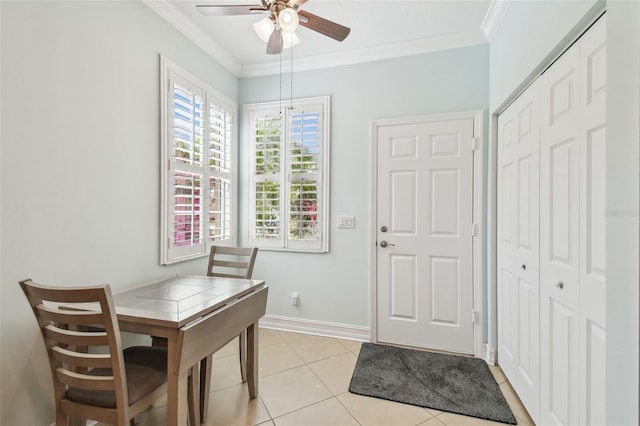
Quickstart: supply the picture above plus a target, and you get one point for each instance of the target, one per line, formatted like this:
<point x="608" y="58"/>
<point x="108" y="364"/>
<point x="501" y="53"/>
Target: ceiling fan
<point x="284" y="16"/>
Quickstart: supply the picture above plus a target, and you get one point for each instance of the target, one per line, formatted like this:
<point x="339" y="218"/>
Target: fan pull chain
<point x="280" y="84"/>
<point x="291" y="78"/>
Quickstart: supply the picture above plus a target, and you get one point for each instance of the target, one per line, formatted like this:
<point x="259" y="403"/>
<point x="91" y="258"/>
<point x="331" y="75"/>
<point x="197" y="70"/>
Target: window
<point x="198" y="165"/>
<point x="288" y="171"/>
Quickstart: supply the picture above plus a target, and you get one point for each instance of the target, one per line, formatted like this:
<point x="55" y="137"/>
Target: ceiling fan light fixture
<point x="288" y="20"/>
<point x="264" y="28"/>
<point x="289" y="40"/>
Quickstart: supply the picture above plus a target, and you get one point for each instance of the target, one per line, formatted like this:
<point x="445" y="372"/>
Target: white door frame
<point x="478" y="218"/>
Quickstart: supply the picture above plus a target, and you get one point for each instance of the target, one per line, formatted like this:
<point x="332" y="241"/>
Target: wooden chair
<point x="111" y="387"/>
<point x="230" y="262"/>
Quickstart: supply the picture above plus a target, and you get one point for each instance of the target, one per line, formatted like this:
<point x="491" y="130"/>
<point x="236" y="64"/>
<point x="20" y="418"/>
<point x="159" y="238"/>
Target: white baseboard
<point x="318" y="328"/>
<point x="490" y="354"/>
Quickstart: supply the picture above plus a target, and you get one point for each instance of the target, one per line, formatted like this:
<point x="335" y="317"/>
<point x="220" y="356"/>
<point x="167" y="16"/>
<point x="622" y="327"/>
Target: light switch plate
<point x="346" y="222"/>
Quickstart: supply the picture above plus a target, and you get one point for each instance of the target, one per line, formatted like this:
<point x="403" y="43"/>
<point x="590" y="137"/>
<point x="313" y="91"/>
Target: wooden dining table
<point x="197" y="315"/>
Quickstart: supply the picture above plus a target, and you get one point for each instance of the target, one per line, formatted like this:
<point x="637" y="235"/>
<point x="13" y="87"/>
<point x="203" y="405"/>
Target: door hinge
<point x="475" y="317"/>
<point x="475" y="144"/>
<point x="475" y="230"/>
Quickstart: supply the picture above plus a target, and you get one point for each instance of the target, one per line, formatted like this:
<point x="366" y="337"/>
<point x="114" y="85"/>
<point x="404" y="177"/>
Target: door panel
<point x="595" y="374"/>
<point x="424" y="274"/>
<point x="559" y="240"/>
<point x="445" y="194"/>
<point x="445" y="297"/>
<point x="592" y="226"/>
<point x="518" y="246"/>
<point x="561" y="397"/>
<point x="403" y="287"/>
<point x="403" y="206"/>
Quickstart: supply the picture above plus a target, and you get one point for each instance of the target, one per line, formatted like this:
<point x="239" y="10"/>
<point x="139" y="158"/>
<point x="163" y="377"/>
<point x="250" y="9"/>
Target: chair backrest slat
<point x="66" y="316"/>
<point x="56" y="335"/>
<point x="229" y="263"/>
<point x="85" y="381"/>
<point x="77" y="359"/>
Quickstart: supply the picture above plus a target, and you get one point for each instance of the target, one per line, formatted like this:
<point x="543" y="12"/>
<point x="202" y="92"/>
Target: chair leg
<point x="243" y="355"/>
<point x="76" y="421"/>
<point x="205" y="386"/>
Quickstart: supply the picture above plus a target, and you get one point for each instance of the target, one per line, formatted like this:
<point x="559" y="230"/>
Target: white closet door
<point x="507" y="348"/>
<point x="559" y="240"/>
<point x="518" y="246"/>
<point x="572" y="232"/>
<point x="562" y="380"/>
<point x="592" y="225"/>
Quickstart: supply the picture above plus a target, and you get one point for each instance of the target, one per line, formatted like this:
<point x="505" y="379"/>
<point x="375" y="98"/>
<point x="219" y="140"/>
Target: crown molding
<point x="493" y="17"/>
<point x="390" y="51"/>
<point x="178" y="20"/>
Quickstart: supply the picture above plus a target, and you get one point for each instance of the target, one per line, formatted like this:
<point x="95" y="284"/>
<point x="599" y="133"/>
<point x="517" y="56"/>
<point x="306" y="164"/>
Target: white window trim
<point x="317" y="247"/>
<point x="166" y="151"/>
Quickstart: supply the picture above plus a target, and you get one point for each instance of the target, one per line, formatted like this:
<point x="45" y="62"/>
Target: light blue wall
<point x="80" y="164"/>
<point x="531" y="33"/>
<point x="335" y="287"/>
<point x="623" y="171"/>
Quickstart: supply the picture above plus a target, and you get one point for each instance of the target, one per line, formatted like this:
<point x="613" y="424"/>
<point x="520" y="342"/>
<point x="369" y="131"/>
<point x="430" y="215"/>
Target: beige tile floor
<point x="304" y="381"/>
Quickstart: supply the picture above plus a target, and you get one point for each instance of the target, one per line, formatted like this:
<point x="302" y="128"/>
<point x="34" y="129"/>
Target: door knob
<point x="523" y="267"/>
<point x="383" y="229"/>
<point x="383" y="244"/>
<point x="560" y="285"/>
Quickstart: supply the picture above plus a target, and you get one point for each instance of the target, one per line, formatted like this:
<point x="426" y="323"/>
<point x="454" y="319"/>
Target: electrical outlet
<point x="295" y="298"/>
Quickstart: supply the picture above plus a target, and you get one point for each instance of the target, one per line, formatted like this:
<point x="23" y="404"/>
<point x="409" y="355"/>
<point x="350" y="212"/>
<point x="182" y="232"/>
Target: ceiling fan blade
<point x="274" y="46"/>
<point x="323" y="26"/>
<point x="224" y="10"/>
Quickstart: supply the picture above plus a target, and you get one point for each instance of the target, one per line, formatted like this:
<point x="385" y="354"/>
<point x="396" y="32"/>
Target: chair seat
<point x="145" y="368"/>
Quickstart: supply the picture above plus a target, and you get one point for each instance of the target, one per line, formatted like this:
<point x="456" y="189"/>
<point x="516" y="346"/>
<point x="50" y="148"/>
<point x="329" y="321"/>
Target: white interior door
<point x="573" y="270"/>
<point x="518" y="246"/>
<point x="424" y="235"/>
<point x="559" y="244"/>
<point x="593" y="66"/>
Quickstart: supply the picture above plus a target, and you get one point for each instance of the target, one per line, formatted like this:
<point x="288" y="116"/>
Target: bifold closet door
<point x="593" y="65"/>
<point x="518" y="248"/>
<point x="572" y="234"/>
<point x="559" y="245"/>
<point x="551" y="278"/>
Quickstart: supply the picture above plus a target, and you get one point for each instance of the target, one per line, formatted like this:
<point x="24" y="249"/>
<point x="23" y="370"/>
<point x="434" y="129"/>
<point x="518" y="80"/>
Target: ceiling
<point x="380" y="29"/>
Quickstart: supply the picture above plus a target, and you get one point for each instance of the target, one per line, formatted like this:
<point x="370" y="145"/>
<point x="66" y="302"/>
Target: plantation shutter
<point x="288" y="168"/>
<point x="266" y="132"/>
<point x="304" y="177"/>
<point x="220" y="136"/>
<point x="187" y="169"/>
<point x="198" y="194"/>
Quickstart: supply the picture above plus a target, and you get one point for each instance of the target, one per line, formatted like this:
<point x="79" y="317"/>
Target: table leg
<point x="205" y="386"/>
<point x="252" y="359"/>
<point x="176" y="386"/>
<point x="193" y="396"/>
